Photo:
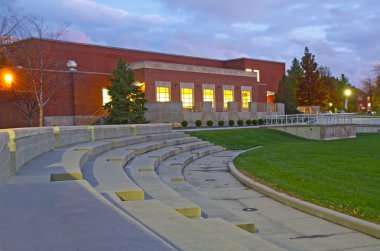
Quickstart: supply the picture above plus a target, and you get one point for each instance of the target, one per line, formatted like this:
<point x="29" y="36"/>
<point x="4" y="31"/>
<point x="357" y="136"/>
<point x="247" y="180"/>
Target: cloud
<point x="342" y="34"/>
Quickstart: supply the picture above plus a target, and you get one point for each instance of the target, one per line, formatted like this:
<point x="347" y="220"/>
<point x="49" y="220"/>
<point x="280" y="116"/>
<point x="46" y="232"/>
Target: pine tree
<point x="287" y="87"/>
<point x="309" y="90"/>
<point x="127" y="100"/>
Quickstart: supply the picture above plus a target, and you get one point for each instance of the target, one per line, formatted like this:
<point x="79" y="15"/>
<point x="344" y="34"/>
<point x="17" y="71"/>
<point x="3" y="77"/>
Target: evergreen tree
<point x="127" y="100"/>
<point x="310" y="90"/>
<point x="287" y="88"/>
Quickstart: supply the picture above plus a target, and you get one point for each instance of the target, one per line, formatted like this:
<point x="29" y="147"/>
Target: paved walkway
<point x="277" y="223"/>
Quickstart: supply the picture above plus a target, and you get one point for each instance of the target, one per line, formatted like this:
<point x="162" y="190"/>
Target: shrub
<point x="184" y="123"/>
<point x="231" y="122"/>
<point x="240" y="122"/>
<point x="254" y="122"/>
<point x="221" y="123"/>
<point x="198" y="123"/>
<point x="260" y="121"/>
<point x="210" y="123"/>
<point x="248" y="122"/>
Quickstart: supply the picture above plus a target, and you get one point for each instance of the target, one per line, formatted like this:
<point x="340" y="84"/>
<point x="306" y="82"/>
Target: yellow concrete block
<point x="128" y="195"/>
<point x="146" y="169"/>
<point x="66" y="176"/>
<point x="11" y="143"/>
<point x="190" y="212"/>
<point x="249" y="227"/>
<point x="91" y="132"/>
<point x="177" y="179"/>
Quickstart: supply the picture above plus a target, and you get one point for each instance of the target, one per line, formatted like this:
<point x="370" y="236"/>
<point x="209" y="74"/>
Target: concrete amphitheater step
<point x="68" y="215"/>
<point x="60" y="164"/>
<point x="172" y="167"/>
<point x="106" y="175"/>
<point x="178" y="141"/>
<point x="244" y="238"/>
<point x="144" y="147"/>
<point x="172" y="176"/>
<point x="209" y="209"/>
<point x="179" y="230"/>
<point x="141" y="170"/>
<point x="167" y="136"/>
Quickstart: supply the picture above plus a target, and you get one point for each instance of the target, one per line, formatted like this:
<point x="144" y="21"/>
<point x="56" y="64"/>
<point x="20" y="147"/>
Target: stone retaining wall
<point x="320" y="132"/>
<point x="20" y="145"/>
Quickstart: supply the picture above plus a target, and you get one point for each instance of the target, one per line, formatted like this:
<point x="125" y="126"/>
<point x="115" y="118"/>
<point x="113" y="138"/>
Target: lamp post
<point x="72" y="66"/>
<point x="347" y="93"/>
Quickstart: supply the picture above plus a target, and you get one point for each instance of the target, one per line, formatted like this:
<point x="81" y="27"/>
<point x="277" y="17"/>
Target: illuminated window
<point x="258" y="75"/>
<point x="228" y="96"/>
<point x="162" y="94"/>
<point x="106" y="96"/>
<point x="208" y="96"/>
<point x="245" y="99"/>
<point x="187" y="97"/>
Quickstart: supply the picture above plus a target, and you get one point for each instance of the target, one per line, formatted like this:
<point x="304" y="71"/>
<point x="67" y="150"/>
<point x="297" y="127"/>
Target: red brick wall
<point x="92" y="60"/>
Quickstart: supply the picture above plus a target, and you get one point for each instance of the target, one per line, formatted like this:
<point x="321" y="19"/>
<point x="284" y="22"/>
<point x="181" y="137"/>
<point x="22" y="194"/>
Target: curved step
<point x="141" y="170"/>
<point x="181" y="231"/>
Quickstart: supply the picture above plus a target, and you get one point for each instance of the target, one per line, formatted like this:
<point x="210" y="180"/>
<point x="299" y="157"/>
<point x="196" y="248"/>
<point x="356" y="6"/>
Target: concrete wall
<point x="151" y="129"/>
<point x="20" y="145"/>
<point x="320" y="132"/>
<point x="67" y="135"/>
<point x="171" y="112"/>
<point x="28" y="143"/>
<point x="5" y="161"/>
<point x="108" y="131"/>
<point x="368" y="128"/>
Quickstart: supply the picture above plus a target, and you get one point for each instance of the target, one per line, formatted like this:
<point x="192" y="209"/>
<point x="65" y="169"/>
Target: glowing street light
<point x="8" y="78"/>
<point x="348" y="93"/>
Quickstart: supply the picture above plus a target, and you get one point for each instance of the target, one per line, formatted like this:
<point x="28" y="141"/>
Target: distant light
<point x="347" y="92"/>
<point x="8" y="79"/>
<point x="139" y="84"/>
<point x="330" y="104"/>
<point x="369" y="104"/>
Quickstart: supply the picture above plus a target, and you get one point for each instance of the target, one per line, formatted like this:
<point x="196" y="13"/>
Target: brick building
<point x="187" y="84"/>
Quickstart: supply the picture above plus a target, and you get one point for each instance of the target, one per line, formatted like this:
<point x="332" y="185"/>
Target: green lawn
<point x="341" y="174"/>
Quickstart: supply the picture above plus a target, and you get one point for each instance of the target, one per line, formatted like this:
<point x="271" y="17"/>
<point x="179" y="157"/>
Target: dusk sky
<point x="343" y="34"/>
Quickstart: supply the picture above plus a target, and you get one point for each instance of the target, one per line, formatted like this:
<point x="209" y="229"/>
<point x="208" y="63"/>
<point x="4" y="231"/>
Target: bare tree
<point x="35" y="56"/>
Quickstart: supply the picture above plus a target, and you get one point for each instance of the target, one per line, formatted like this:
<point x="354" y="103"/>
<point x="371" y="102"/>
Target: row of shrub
<point x="240" y="122"/>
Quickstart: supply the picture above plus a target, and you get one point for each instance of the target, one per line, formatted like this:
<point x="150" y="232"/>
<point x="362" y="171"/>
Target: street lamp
<point x="347" y="92"/>
<point x="8" y="79"/>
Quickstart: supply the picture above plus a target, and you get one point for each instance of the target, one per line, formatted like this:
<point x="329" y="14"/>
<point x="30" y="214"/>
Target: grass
<point x="343" y="174"/>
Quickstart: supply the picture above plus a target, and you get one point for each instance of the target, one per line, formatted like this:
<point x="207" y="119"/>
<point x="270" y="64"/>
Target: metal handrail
<point x="307" y="119"/>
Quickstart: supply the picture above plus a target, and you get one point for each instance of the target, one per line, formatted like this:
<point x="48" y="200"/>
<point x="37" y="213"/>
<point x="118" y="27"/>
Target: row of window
<point x="187" y="96"/>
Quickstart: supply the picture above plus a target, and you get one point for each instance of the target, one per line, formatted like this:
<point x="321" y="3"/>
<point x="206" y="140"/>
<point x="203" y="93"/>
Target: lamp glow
<point x="8" y="78"/>
<point x="347" y="92"/>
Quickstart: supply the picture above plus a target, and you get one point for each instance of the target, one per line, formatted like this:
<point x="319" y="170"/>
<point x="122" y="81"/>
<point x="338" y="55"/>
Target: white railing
<point x="308" y="119"/>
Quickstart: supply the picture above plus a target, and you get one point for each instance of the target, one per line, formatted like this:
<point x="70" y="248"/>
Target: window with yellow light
<point x="106" y="97"/>
<point x="208" y="96"/>
<point x="228" y="96"/>
<point x="162" y="94"/>
<point x="245" y="99"/>
<point x="187" y="97"/>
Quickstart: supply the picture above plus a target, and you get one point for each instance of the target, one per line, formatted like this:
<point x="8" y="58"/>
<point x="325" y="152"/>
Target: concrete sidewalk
<point x="277" y="223"/>
<point x="68" y="215"/>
